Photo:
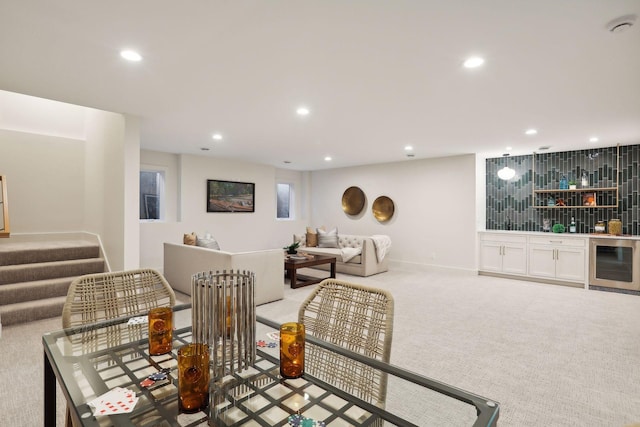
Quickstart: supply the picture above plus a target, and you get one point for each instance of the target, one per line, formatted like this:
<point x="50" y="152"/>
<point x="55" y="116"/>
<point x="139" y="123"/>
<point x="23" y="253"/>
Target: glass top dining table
<point x="90" y="360"/>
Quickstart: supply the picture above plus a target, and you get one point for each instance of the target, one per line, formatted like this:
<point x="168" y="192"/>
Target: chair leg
<point x="68" y="422"/>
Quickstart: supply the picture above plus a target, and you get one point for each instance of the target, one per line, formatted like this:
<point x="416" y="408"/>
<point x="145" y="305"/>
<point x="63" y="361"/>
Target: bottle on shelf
<point x="572" y="226"/>
<point x="585" y="179"/>
<point x="564" y="184"/>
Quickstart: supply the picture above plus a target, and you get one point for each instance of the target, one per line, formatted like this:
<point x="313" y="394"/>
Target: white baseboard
<point x="414" y="266"/>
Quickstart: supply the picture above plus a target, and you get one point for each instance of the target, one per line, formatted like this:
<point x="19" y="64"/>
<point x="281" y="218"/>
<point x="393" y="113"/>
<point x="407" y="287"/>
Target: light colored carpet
<point x="551" y="355"/>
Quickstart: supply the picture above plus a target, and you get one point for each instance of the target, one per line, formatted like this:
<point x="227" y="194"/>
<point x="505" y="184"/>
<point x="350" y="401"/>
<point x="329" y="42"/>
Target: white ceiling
<point x="376" y="75"/>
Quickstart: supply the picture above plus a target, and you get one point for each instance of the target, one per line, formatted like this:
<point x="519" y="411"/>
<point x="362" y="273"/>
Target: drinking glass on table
<point x="193" y="377"/>
<point x="160" y="330"/>
<point x="292" y="338"/>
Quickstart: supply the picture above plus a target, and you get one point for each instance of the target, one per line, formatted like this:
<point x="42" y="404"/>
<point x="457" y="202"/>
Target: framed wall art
<point x="230" y="196"/>
<point x="589" y="199"/>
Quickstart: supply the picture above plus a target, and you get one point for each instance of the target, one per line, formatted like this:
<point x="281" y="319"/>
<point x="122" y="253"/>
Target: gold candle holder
<point x="160" y="330"/>
<point x="292" y="338"/>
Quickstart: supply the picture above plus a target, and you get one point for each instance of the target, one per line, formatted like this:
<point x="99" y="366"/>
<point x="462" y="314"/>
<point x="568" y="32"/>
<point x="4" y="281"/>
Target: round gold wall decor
<point x="383" y="208"/>
<point x="353" y="201"/>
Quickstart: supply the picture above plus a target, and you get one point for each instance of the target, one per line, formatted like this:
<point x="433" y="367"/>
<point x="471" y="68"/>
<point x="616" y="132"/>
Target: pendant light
<point x="506" y="173"/>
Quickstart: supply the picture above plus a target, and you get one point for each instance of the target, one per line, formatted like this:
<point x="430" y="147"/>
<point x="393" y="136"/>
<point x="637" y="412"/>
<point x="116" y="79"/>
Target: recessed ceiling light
<point x="473" y="62"/>
<point x="408" y="148"/>
<point x="327" y="159"/>
<point x="531" y="132"/>
<point x="216" y="136"/>
<point x="508" y="148"/>
<point x="593" y="139"/>
<point x="302" y="111"/>
<point x="131" y="55"/>
<point x="621" y="24"/>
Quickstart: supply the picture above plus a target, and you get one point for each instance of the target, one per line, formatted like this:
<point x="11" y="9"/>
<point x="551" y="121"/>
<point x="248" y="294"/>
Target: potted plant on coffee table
<point x="292" y="249"/>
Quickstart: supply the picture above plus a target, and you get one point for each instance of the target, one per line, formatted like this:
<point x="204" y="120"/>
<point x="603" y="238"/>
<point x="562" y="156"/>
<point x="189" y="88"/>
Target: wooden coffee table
<point x="298" y="280"/>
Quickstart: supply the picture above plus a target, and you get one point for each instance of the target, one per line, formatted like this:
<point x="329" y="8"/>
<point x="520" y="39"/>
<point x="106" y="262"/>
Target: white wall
<point x="45" y="181"/>
<point x="30" y="114"/>
<point x="66" y="184"/>
<point x="111" y="208"/>
<point x="435" y="207"/>
<point x="61" y="184"/>
<point x="131" y="193"/>
<point x="234" y="231"/>
<point x="188" y="175"/>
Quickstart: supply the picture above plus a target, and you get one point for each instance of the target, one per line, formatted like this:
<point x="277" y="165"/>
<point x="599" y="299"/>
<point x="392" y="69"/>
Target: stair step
<point x="50" y="270"/>
<point x="39" y="289"/>
<point x="29" y="311"/>
<point x="35" y="275"/>
<point x="14" y="253"/>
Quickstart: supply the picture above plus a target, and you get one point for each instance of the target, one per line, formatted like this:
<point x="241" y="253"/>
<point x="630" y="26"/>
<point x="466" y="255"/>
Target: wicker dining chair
<point x="103" y="296"/>
<point x="357" y="318"/>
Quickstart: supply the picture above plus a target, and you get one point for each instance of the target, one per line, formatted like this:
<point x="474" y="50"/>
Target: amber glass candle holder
<point x="160" y="330"/>
<point x="292" y="350"/>
<point x="193" y="377"/>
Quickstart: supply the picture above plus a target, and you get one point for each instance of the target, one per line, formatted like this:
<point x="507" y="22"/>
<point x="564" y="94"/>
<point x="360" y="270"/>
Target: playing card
<point x="274" y="336"/>
<point x="138" y="320"/>
<point x="116" y="401"/>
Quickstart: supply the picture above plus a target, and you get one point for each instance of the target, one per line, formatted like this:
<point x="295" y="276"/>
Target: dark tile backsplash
<point x="511" y="204"/>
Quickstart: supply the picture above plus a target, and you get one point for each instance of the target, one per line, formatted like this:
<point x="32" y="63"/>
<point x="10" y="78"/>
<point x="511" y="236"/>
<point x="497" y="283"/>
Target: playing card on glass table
<point x="138" y="320"/>
<point x="116" y="401"/>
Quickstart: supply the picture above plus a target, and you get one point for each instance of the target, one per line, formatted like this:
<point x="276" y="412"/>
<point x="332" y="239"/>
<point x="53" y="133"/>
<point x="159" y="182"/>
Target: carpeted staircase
<point x="35" y="276"/>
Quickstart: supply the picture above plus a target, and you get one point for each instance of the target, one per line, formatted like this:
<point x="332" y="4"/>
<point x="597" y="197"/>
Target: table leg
<point x="294" y="279"/>
<point x="49" y="394"/>
<point x="333" y="269"/>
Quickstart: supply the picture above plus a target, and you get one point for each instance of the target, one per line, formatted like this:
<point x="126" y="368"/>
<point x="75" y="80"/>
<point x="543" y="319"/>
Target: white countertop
<point x="542" y="233"/>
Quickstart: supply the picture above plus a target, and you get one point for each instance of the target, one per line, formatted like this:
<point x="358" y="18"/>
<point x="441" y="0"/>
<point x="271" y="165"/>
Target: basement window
<point x="284" y="202"/>
<point x="151" y="194"/>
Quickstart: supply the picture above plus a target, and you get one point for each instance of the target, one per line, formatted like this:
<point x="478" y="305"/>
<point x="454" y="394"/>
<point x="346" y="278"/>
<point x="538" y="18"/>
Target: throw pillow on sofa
<point x="300" y="238"/>
<point x="328" y="239"/>
<point x="189" y="239"/>
<point x="312" y="239"/>
<point x="312" y="236"/>
<point x="207" y="241"/>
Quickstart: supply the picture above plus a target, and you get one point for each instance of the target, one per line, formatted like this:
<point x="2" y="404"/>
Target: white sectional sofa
<point x="364" y="264"/>
<point x="181" y="262"/>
